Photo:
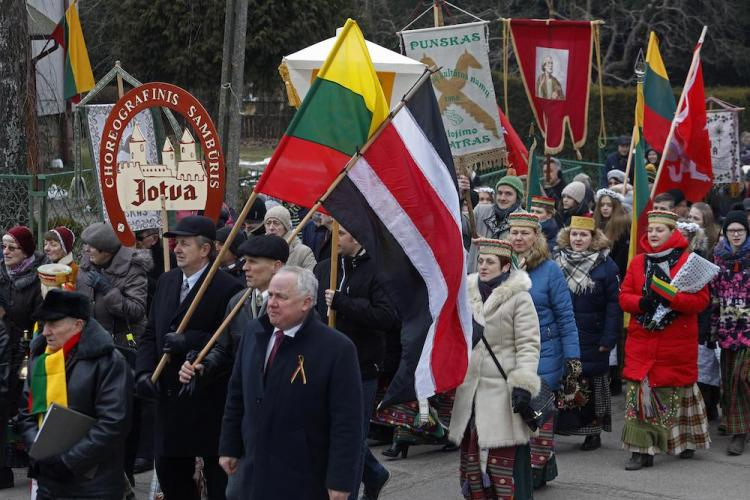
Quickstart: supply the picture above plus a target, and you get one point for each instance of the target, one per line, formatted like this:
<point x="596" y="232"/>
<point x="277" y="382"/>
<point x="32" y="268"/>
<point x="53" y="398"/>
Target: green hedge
<point x="619" y="104"/>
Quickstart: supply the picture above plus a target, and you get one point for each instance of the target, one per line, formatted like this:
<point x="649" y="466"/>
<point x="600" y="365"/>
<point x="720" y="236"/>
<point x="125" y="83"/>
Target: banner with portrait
<point x="463" y="87"/>
<point x="724" y="133"/>
<point x="554" y="58"/>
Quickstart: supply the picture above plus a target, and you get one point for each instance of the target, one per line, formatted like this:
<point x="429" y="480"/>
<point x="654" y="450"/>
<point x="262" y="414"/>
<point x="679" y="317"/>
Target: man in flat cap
<point x="186" y="426"/>
<point x="263" y="255"/>
<point x="74" y="363"/>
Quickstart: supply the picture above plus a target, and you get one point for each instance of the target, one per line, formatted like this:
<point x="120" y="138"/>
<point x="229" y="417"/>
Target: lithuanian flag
<point x="68" y="34"/>
<point x="658" y="100"/>
<point x="343" y="108"/>
<point x="48" y="382"/>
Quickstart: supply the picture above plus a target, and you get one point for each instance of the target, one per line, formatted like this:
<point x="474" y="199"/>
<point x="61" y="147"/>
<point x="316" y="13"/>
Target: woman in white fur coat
<point x="495" y="454"/>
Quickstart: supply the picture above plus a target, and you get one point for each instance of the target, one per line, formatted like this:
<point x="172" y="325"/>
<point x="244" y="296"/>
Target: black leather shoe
<point x="591" y="442"/>
<point x="639" y="460"/>
<point x="6" y="478"/>
<point x="737" y="445"/>
<point x="397" y="449"/>
<point x="374" y="492"/>
<point x="687" y="453"/>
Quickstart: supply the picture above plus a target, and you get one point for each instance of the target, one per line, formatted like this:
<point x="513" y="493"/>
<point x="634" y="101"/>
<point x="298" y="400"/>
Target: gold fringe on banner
<point x="291" y="92"/>
<point x="602" y="139"/>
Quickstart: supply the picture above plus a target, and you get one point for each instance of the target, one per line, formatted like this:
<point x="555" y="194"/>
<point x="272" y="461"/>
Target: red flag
<point x="555" y="62"/>
<point x="518" y="155"/>
<point x="687" y="165"/>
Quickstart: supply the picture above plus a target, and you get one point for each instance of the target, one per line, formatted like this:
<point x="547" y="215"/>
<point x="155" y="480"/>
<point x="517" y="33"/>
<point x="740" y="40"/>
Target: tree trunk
<point x="14" y="68"/>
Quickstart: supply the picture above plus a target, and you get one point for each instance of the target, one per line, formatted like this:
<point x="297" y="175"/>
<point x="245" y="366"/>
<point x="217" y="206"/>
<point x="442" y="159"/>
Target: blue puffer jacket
<point x="549" y="291"/>
<point x="598" y="317"/>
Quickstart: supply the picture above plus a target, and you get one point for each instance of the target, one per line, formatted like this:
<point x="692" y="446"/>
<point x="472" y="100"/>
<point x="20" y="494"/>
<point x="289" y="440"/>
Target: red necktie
<point x="278" y="337"/>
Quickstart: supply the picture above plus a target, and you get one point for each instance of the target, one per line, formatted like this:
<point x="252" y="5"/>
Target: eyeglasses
<point x="272" y="222"/>
<point x="736" y="231"/>
<point x="10" y="248"/>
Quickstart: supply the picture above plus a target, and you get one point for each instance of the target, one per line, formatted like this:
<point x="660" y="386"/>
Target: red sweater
<point x="670" y="356"/>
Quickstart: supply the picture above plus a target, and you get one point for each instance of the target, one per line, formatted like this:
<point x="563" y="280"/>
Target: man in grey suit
<point x="264" y="256"/>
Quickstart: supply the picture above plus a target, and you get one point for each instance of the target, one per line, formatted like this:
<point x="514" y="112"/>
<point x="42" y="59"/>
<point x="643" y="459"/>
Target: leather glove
<point x="188" y="389"/>
<point x="55" y="469"/>
<point x="520" y="399"/>
<point x="175" y="344"/>
<point x="145" y="389"/>
<point x="98" y="282"/>
<point x="647" y="304"/>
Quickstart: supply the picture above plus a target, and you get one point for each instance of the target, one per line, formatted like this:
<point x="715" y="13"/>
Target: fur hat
<point x="269" y="246"/>
<point x="664" y="217"/>
<point x="576" y="190"/>
<point x="281" y="214"/>
<point x="24" y="238"/>
<point x="101" y="236"/>
<point x="616" y="174"/>
<point x="514" y="182"/>
<point x="501" y="248"/>
<point x="735" y="216"/>
<point x="63" y="236"/>
<point x="60" y="304"/>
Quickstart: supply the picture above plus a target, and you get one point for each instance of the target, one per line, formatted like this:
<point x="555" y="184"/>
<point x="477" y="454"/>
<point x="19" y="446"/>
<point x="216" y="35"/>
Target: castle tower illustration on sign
<point x="187" y="168"/>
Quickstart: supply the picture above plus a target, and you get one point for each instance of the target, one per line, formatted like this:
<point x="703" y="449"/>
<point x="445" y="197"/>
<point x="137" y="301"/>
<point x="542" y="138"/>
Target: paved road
<point x="431" y="474"/>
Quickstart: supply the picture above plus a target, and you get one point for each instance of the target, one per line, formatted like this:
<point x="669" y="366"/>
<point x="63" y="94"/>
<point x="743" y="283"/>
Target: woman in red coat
<point x="664" y="410"/>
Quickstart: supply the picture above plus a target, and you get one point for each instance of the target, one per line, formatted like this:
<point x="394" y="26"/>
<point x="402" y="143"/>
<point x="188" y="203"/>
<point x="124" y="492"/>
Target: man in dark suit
<point x="293" y="413"/>
<point x="186" y="426"/>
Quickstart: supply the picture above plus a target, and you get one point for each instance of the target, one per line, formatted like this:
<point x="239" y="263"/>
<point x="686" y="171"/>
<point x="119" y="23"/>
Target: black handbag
<point x="541" y="407"/>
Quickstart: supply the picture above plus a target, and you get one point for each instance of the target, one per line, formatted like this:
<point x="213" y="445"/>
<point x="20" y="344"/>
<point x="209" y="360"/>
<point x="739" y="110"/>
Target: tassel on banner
<point x="291" y="92"/>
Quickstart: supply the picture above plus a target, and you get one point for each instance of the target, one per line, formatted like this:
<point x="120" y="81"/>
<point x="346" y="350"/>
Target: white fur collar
<point x="518" y="281"/>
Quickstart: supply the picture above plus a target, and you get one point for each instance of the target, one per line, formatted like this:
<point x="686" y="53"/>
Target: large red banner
<point x="555" y="62"/>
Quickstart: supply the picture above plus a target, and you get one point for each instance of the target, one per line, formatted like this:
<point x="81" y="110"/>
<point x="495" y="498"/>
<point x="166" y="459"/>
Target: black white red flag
<point x="400" y="201"/>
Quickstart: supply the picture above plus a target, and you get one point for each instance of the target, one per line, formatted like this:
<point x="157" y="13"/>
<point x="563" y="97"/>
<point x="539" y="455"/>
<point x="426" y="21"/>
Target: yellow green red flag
<point x="78" y="77"/>
<point x="343" y="108"/>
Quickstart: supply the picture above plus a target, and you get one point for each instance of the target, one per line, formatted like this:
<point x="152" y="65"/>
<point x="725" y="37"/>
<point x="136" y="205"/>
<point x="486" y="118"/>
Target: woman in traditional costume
<point x="664" y="410"/>
<point x="731" y="297"/>
<point x="560" y="354"/>
<point x="494" y="439"/>
<point x="592" y="277"/>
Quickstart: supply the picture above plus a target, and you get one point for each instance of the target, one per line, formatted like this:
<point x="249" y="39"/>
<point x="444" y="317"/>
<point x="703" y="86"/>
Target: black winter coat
<point x="24" y="294"/>
<point x="364" y="311"/>
<point x="598" y="318"/>
<point x="295" y="439"/>
<point x="185" y="426"/>
<point x="100" y="384"/>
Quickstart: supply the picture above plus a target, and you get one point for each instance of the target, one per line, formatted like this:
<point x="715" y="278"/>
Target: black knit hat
<point x="222" y="235"/>
<point x="266" y="245"/>
<point x="735" y="216"/>
<point x="60" y="304"/>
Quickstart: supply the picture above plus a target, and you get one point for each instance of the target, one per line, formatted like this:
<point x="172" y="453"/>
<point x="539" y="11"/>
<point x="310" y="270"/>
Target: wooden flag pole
<point x="333" y="280"/>
<point x="224" y="324"/>
<point x="232" y="314"/>
<point x="246" y="209"/>
<point x="164" y="229"/>
<point x="683" y="96"/>
<point x="207" y="281"/>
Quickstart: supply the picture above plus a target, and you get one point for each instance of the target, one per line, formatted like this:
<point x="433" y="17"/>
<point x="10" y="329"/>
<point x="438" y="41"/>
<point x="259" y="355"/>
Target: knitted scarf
<point x="577" y="266"/>
<point x="658" y="265"/>
<point x="48" y="383"/>
<point x="498" y="221"/>
<point x="22" y="267"/>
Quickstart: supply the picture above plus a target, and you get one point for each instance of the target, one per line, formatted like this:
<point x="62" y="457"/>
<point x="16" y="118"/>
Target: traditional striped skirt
<point x="594" y="417"/>
<point x="404" y="417"/>
<point x="664" y="420"/>
<point x="490" y="480"/>
<point x="735" y="378"/>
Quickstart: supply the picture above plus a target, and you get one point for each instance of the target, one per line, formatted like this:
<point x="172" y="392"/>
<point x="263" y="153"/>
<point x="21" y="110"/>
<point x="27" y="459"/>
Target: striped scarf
<point x="48" y="381"/>
<point x="577" y="266"/>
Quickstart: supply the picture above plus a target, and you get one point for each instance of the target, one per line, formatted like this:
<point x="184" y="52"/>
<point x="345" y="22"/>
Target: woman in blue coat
<point x="594" y="285"/>
<point x="559" y="335"/>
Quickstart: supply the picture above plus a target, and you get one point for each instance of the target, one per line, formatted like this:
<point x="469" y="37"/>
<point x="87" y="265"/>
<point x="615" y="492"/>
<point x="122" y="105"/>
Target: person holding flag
<point x="661" y="355"/>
